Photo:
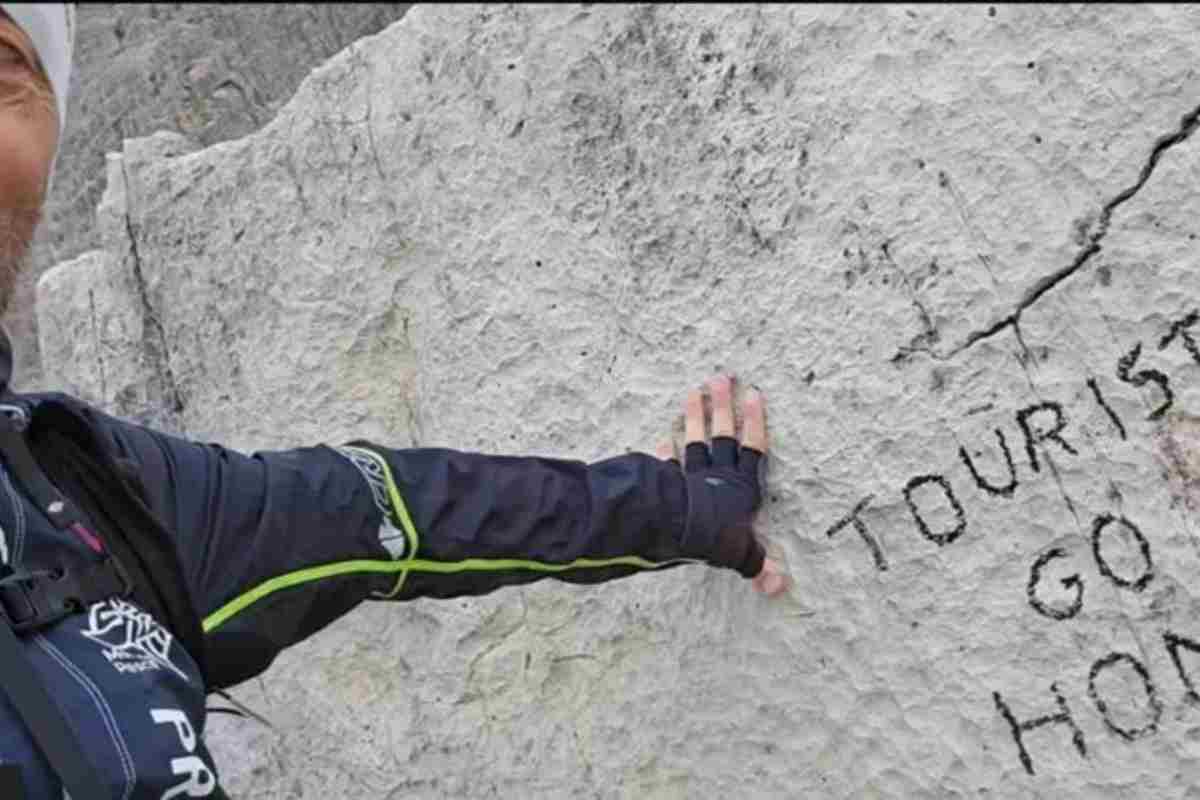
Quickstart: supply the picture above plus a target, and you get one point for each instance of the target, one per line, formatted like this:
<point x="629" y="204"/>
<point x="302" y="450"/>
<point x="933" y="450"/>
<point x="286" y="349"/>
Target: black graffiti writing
<point x="1035" y="435"/>
<point x="960" y="518"/>
<point x="1040" y="424"/>
<point x="1118" y="685"/>
<point x="1111" y="661"/>
<point x="1073" y="582"/>
<point x="855" y="520"/>
<point x="1003" y="491"/>
<point x="1181" y="330"/>
<point x="1174" y="642"/>
<point x="1019" y="729"/>
<point x="1139" y="379"/>
<point x="1112" y="415"/>
<point x="1145" y="703"/>
<point x="1098" y="525"/>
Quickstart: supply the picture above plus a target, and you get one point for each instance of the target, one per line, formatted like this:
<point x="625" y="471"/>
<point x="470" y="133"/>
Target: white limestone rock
<point x="530" y="230"/>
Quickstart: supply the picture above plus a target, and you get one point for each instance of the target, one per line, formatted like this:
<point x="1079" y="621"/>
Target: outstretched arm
<point x="474" y="522"/>
<point x="278" y="544"/>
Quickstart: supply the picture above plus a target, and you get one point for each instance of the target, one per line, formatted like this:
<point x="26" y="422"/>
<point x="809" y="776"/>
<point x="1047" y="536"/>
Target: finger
<point x="724" y="451"/>
<point x="695" y="457"/>
<point x="721" y="388"/>
<point x="694" y="417"/>
<point x="771" y="581"/>
<point x="754" y="421"/>
<point x="747" y="464"/>
<point x="665" y="450"/>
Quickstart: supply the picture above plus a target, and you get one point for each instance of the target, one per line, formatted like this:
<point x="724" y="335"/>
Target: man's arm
<point x="278" y="544"/>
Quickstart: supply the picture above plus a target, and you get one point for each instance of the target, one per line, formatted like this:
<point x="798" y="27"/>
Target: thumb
<point x="738" y="548"/>
<point x="770" y="580"/>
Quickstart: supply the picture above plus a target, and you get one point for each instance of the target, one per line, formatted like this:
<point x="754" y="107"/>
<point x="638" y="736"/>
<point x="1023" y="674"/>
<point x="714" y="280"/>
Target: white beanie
<point x="51" y="28"/>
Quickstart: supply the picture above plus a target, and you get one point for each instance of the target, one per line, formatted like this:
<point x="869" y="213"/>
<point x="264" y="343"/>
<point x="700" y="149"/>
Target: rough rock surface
<point x="531" y="229"/>
<point x="209" y="71"/>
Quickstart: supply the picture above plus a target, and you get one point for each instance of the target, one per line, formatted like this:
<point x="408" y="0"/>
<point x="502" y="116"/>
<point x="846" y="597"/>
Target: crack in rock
<point x="1187" y="126"/>
<point x="929" y="334"/>
<point x="154" y="342"/>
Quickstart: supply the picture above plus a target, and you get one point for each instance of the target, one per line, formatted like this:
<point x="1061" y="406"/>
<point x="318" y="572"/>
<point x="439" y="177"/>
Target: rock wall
<point x="209" y="71"/>
<point x="955" y="247"/>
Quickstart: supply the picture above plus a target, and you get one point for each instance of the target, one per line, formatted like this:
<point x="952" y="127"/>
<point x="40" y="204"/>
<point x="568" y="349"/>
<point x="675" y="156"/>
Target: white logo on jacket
<point x="133" y="641"/>
<point x="371" y="466"/>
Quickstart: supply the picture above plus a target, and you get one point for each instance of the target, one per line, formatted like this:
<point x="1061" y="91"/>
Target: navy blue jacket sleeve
<point x="277" y="544"/>
<point x="403" y="522"/>
<point x="474" y="522"/>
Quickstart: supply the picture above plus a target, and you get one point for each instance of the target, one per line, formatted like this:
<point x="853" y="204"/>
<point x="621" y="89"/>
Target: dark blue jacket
<point x="274" y="546"/>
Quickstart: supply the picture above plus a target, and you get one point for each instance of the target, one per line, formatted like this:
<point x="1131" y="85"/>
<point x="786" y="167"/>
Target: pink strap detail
<point x="88" y="537"/>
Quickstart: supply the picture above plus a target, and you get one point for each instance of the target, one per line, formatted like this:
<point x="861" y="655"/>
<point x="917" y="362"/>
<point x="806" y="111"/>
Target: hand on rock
<point x="723" y="484"/>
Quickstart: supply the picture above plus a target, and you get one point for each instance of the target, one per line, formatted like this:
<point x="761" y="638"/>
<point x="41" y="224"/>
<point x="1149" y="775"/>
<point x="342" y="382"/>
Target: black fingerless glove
<point x="723" y="494"/>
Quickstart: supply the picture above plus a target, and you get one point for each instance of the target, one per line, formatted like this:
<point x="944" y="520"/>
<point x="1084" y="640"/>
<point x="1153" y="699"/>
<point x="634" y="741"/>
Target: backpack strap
<point x="64" y="445"/>
<point x="45" y="721"/>
<point x="32" y="600"/>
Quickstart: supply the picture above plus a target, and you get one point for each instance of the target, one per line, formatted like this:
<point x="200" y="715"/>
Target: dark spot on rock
<point x="1104" y="274"/>
<point x="1037" y="138"/>
<point x="991" y="11"/>
<point x="943" y="179"/>
<point x="809" y="377"/>
<point x="537" y="263"/>
<point x="1082" y="227"/>
<point x="763" y="75"/>
<point x="512" y="66"/>
<point x="1031" y="65"/>
<point x="920" y="163"/>
<point x="850" y="278"/>
<point x="937" y="381"/>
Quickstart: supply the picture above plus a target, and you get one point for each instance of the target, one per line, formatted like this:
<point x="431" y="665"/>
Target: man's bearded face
<point x="28" y="137"/>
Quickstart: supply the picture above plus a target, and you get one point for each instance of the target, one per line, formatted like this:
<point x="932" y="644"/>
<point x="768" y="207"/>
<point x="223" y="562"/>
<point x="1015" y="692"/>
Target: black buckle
<point x="27" y="604"/>
<point x="33" y="600"/>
